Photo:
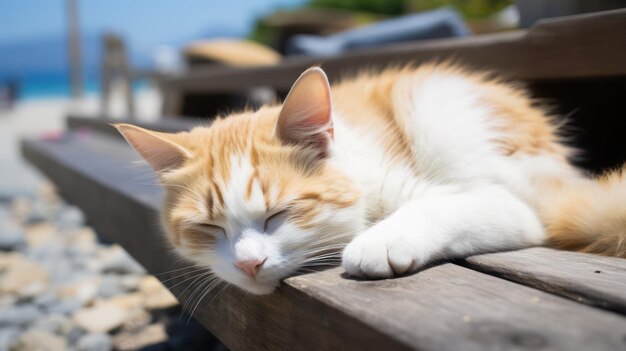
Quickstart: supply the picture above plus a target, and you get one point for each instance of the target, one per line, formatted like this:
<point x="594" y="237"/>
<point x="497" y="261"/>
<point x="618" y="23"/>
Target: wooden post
<point x="74" y="49"/>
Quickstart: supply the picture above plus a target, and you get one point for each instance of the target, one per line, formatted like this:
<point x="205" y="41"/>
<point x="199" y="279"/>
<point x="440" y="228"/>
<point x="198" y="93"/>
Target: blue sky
<point x="144" y="23"/>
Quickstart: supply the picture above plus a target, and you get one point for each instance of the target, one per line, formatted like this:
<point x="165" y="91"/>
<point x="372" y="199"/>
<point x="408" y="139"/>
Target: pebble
<point x="70" y="218"/>
<point x="45" y="300"/>
<point x="84" y="290"/>
<point x="11" y="237"/>
<point x="110" y="286"/>
<point x="61" y="289"/>
<point x="74" y="334"/>
<point x="21" y="274"/>
<point x="127" y="301"/>
<point x="7" y="300"/>
<point x="130" y="282"/>
<point x="85" y="240"/>
<point x="152" y="334"/>
<point x="65" y="306"/>
<point x="94" y="342"/>
<point x="7" y="259"/>
<point x="40" y="234"/>
<point x="101" y="318"/>
<point x="39" y="340"/>
<point x="8" y="337"/>
<point x="116" y="260"/>
<point x="18" y="315"/>
<point x="136" y="319"/>
<point x="40" y="211"/>
<point x="155" y="295"/>
<point x="54" y="323"/>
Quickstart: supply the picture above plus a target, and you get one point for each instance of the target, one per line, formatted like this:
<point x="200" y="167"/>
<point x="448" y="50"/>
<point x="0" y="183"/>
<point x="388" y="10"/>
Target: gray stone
<point x="121" y="263"/>
<point x="18" y="316"/>
<point x="70" y="217"/>
<point x="74" y="335"/>
<point x="45" y="300"/>
<point x="54" y="323"/>
<point x="8" y="337"/>
<point x="65" y="306"/>
<point x="110" y="286"/>
<point x="11" y="237"/>
<point x="130" y="282"/>
<point x="63" y="271"/>
<point x="94" y="342"/>
<point x="49" y="254"/>
<point x="7" y="300"/>
<point x="39" y="212"/>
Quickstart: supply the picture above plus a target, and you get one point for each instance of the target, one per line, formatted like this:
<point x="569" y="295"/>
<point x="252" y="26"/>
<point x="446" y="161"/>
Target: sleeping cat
<point x="387" y="172"/>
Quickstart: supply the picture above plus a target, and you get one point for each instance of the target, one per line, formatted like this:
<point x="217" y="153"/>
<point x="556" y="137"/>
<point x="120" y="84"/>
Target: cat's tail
<point x="587" y="215"/>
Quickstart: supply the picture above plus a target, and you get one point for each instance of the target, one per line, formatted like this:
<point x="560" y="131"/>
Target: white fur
<point x="464" y="201"/>
<point x="464" y="198"/>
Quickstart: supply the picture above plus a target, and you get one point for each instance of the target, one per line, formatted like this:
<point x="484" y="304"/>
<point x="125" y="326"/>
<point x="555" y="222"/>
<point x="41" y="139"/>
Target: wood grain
<point x="446" y="307"/>
<point x="592" y="279"/>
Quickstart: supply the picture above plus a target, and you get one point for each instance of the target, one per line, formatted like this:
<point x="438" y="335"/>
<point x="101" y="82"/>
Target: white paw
<point x="378" y="253"/>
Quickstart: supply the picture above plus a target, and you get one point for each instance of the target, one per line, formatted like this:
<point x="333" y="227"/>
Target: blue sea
<point x="46" y="85"/>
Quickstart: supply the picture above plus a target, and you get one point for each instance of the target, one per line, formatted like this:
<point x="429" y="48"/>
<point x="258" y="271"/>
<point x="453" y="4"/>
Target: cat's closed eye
<point x="211" y="229"/>
<point x="273" y="222"/>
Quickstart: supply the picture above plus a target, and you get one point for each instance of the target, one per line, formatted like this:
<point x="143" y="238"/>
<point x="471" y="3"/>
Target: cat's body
<point x="406" y="167"/>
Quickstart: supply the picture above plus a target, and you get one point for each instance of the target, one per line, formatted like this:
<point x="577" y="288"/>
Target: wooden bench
<point x="531" y="299"/>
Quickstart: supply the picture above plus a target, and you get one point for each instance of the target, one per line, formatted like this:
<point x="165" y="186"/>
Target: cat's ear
<point x="305" y="118"/>
<point x="160" y="150"/>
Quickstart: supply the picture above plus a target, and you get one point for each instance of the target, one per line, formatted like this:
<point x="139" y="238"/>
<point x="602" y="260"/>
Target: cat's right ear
<point x="160" y="150"/>
<point x="305" y="118"/>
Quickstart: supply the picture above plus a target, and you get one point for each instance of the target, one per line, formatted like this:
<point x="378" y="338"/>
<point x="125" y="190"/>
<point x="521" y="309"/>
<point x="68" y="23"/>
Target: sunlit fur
<point x="419" y="164"/>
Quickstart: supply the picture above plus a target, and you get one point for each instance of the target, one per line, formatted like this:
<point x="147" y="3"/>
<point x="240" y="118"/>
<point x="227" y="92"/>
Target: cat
<point x="384" y="172"/>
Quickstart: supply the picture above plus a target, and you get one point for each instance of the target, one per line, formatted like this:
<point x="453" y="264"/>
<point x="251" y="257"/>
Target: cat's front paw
<point x="380" y="254"/>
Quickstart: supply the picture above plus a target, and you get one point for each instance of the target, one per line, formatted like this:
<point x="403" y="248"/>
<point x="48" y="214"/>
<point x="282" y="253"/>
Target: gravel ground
<point x="60" y="288"/>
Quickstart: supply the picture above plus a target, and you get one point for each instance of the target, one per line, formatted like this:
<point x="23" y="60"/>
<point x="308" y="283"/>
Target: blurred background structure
<point x="145" y="61"/>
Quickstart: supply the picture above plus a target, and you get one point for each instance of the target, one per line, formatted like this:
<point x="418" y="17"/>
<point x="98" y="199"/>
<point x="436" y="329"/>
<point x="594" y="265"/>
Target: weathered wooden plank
<point x="589" y="45"/>
<point x="592" y="279"/>
<point x="444" y="307"/>
<point x="447" y="307"/>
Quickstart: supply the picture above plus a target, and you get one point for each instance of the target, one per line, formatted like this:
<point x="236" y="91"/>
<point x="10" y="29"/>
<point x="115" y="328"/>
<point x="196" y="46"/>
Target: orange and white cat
<point x="387" y="171"/>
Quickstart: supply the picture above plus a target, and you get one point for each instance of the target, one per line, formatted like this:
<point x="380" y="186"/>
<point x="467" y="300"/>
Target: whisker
<point x="202" y="297"/>
<point x="206" y="284"/>
<point x="198" y="276"/>
<point x="182" y="274"/>
<point x="176" y="270"/>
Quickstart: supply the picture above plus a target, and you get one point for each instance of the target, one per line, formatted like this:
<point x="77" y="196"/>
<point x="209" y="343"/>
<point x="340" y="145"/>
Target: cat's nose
<point x="251" y="267"/>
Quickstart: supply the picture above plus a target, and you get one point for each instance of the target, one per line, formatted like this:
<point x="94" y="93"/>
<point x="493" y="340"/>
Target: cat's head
<point x="256" y="196"/>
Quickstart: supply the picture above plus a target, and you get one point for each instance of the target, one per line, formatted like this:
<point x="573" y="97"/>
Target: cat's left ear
<point x="305" y="118"/>
<point x="163" y="151"/>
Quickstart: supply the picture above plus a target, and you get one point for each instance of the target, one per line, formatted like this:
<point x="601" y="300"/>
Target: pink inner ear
<point x="306" y="115"/>
<point x="156" y="148"/>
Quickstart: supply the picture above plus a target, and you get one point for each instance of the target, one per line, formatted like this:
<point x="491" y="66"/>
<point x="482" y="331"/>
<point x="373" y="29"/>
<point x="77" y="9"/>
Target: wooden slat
<point x="444" y="307"/>
<point x="592" y="279"/>
<point x="590" y="45"/>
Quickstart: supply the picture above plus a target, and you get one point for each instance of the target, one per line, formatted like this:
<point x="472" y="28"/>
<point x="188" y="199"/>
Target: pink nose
<point x="251" y="267"/>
